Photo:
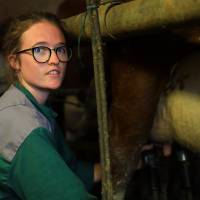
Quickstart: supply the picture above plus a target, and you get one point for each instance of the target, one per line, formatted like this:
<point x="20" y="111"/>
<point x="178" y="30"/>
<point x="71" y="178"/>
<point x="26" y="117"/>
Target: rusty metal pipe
<point x="137" y="16"/>
<point x="99" y="74"/>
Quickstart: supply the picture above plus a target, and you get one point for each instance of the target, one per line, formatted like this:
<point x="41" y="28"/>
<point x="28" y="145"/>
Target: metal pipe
<point x="137" y="16"/>
<point x="98" y="63"/>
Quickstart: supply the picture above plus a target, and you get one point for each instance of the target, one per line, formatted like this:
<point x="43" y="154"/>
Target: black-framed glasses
<point x="42" y="54"/>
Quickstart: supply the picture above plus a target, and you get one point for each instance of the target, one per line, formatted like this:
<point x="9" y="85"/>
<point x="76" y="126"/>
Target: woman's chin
<point x="53" y="86"/>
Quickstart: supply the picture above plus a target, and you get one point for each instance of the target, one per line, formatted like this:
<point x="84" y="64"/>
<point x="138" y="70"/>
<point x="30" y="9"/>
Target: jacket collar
<point x="44" y="109"/>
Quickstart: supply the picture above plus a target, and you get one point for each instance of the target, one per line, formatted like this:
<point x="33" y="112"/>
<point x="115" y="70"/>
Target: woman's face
<point x="40" y="77"/>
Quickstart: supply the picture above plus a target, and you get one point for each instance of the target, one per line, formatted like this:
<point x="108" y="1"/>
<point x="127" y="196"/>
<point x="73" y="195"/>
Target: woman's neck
<point x="39" y="94"/>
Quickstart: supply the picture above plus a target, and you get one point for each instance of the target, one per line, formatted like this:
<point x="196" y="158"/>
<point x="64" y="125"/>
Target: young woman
<point x="35" y="162"/>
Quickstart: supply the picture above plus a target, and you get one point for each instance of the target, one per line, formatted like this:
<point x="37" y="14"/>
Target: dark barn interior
<point x="142" y="42"/>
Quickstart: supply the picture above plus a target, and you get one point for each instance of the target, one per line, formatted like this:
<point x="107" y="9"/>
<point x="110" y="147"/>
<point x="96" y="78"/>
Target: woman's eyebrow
<point x="40" y="43"/>
<point x="60" y="44"/>
<point x="47" y="44"/>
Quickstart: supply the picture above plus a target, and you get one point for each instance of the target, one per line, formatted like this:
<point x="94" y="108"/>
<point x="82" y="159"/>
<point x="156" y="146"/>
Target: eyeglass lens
<point x="42" y="54"/>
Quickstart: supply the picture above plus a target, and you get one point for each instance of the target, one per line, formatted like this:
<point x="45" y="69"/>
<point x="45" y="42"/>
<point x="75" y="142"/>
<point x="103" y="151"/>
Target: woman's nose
<point x="53" y="58"/>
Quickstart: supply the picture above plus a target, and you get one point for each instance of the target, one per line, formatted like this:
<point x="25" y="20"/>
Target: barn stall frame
<point x="110" y="22"/>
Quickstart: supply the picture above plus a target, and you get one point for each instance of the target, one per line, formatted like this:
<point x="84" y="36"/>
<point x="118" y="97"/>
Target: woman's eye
<point x="61" y="50"/>
<point x="39" y="49"/>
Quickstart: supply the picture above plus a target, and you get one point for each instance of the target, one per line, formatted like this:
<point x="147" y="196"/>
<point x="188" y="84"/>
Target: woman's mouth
<point x="53" y="72"/>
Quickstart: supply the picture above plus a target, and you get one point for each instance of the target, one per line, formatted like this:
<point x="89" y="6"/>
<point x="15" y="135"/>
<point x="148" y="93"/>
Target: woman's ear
<point x="14" y="62"/>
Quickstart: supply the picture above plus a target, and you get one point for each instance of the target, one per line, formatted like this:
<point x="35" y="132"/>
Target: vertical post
<point x="99" y="75"/>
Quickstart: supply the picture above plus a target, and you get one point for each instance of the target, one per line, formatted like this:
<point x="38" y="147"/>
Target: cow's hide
<point x="178" y="114"/>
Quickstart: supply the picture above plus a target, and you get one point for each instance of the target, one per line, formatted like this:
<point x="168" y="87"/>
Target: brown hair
<point x="14" y="28"/>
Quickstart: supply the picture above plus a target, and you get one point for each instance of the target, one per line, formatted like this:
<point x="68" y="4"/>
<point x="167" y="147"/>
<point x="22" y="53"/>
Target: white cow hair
<point x="178" y="113"/>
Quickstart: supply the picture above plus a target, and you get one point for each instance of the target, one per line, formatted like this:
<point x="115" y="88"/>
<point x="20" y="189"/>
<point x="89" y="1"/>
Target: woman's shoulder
<point x="15" y="107"/>
<point x="18" y="118"/>
<point x="12" y="96"/>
